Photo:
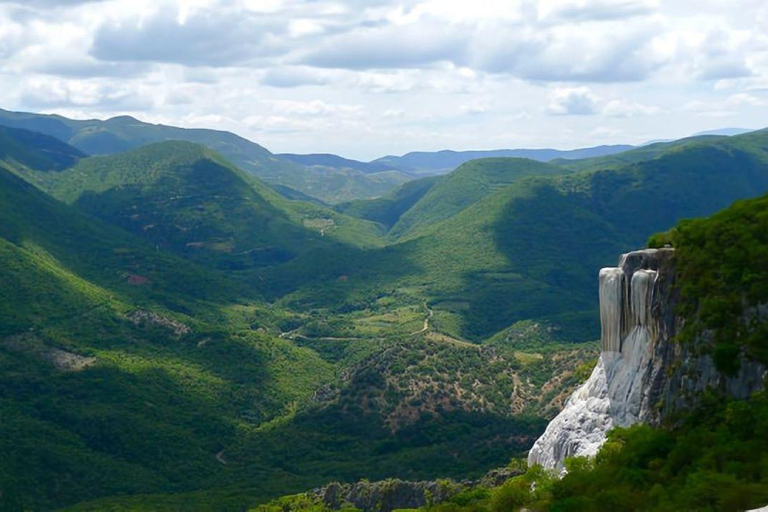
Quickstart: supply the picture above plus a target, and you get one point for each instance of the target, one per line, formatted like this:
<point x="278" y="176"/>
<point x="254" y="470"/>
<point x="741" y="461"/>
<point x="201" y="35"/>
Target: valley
<point x="181" y="333"/>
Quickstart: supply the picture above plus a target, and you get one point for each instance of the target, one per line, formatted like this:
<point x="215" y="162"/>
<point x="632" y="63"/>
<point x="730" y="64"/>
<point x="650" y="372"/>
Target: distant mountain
<point x="441" y="162"/>
<point x="123" y="133"/>
<point x="639" y="154"/>
<point x="36" y="150"/>
<point x="338" y="162"/>
<point x="728" y="132"/>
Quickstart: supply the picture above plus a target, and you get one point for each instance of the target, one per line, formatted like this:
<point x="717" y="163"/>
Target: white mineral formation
<point x="615" y="394"/>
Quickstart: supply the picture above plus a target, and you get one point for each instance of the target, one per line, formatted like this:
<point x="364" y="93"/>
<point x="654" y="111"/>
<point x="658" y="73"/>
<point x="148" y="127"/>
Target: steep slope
<point x="116" y="358"/>
<point x="387" y="210"/>
<point x="182" y="197"/>
<point x="33" y="220"/>
<point x="442" y="162"/>
<point x="464" y="187"/>
<point x="118" y="134"/>
<point x="123" y="368"/>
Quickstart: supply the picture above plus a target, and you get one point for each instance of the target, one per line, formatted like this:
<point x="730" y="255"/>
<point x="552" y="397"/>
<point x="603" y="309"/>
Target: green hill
<point x="184" y="198"/>
<point x="115" y="359"/>
<point x="464" y="187"/>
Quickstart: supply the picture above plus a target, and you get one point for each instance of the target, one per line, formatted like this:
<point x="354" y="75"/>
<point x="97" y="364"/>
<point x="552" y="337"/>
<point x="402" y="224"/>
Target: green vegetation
<point x="717" y="460"/>
<point x="35" y="150"/>
<point x="530" y="250"/>
<point x="723" y="267"/>
<point x="387" y="210"/>
<point x="185" y="198"/>
<point x="177" y="335"/>
<point x="132" y="368"/>
<point x="464" y="187"/>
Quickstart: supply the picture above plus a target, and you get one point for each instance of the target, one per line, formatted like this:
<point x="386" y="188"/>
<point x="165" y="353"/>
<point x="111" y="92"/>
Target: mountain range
<point x="178" y="334"/>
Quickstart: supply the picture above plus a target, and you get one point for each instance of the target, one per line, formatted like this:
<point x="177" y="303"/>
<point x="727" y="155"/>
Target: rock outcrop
<point x="395" y="494"/>
<point x="641" y="375"/>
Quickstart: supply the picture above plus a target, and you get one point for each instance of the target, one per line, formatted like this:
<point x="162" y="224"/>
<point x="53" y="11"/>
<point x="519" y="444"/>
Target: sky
<point x="366" y="78"/>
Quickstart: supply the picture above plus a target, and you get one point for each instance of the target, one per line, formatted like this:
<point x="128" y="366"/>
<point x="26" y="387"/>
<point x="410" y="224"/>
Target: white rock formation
<point x="616" y="392"/>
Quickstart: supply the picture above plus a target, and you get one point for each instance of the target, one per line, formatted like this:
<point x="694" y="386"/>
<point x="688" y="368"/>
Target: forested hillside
<point x="177" y="334"/>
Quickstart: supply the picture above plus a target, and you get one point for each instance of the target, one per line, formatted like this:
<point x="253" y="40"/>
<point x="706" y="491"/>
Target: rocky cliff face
<point x="641" y="375"/>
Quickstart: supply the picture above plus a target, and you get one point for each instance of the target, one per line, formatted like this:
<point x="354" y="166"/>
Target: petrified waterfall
<point x="616" y="393"/>
<point x="641" y="375"/>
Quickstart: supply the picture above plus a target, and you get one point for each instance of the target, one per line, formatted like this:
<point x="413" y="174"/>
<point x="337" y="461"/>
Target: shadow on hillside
<point x="341" y="276"/>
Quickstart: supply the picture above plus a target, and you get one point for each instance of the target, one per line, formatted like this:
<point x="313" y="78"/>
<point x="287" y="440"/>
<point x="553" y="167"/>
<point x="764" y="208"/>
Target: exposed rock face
<point x="641" y="375"/>
<point x="141" y="317"/>
<point x="62" y="360"/>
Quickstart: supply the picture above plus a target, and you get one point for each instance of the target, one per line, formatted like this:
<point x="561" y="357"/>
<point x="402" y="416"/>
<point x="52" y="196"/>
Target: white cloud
<point x="621" y="108"/>
<point x="387" y="76"/>
<point x="572" y="102"/>
<point x="580" y="10"/>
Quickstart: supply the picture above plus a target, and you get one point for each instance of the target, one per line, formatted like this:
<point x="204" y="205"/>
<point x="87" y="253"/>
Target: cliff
<point x="642" y="375"/>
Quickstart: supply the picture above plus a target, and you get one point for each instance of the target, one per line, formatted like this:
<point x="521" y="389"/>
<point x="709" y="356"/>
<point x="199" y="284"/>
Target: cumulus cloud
<point x="581" y="101"/>
<point x="46" y="94"/>
<point x="389" y="74"/>
<point x="572" y="102"/>
<point x="390" y="46"/>
<point x="217" y="36"/>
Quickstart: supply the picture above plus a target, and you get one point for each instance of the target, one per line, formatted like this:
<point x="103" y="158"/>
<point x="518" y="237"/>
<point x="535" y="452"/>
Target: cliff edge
<point x="642" y="374"/>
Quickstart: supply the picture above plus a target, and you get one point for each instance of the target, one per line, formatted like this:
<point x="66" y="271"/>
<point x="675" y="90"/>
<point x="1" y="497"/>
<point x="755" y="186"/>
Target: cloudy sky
<point x="365" y="78"/>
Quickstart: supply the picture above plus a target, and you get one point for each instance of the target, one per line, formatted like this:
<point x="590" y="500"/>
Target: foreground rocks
<point x="393" y="494"/>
